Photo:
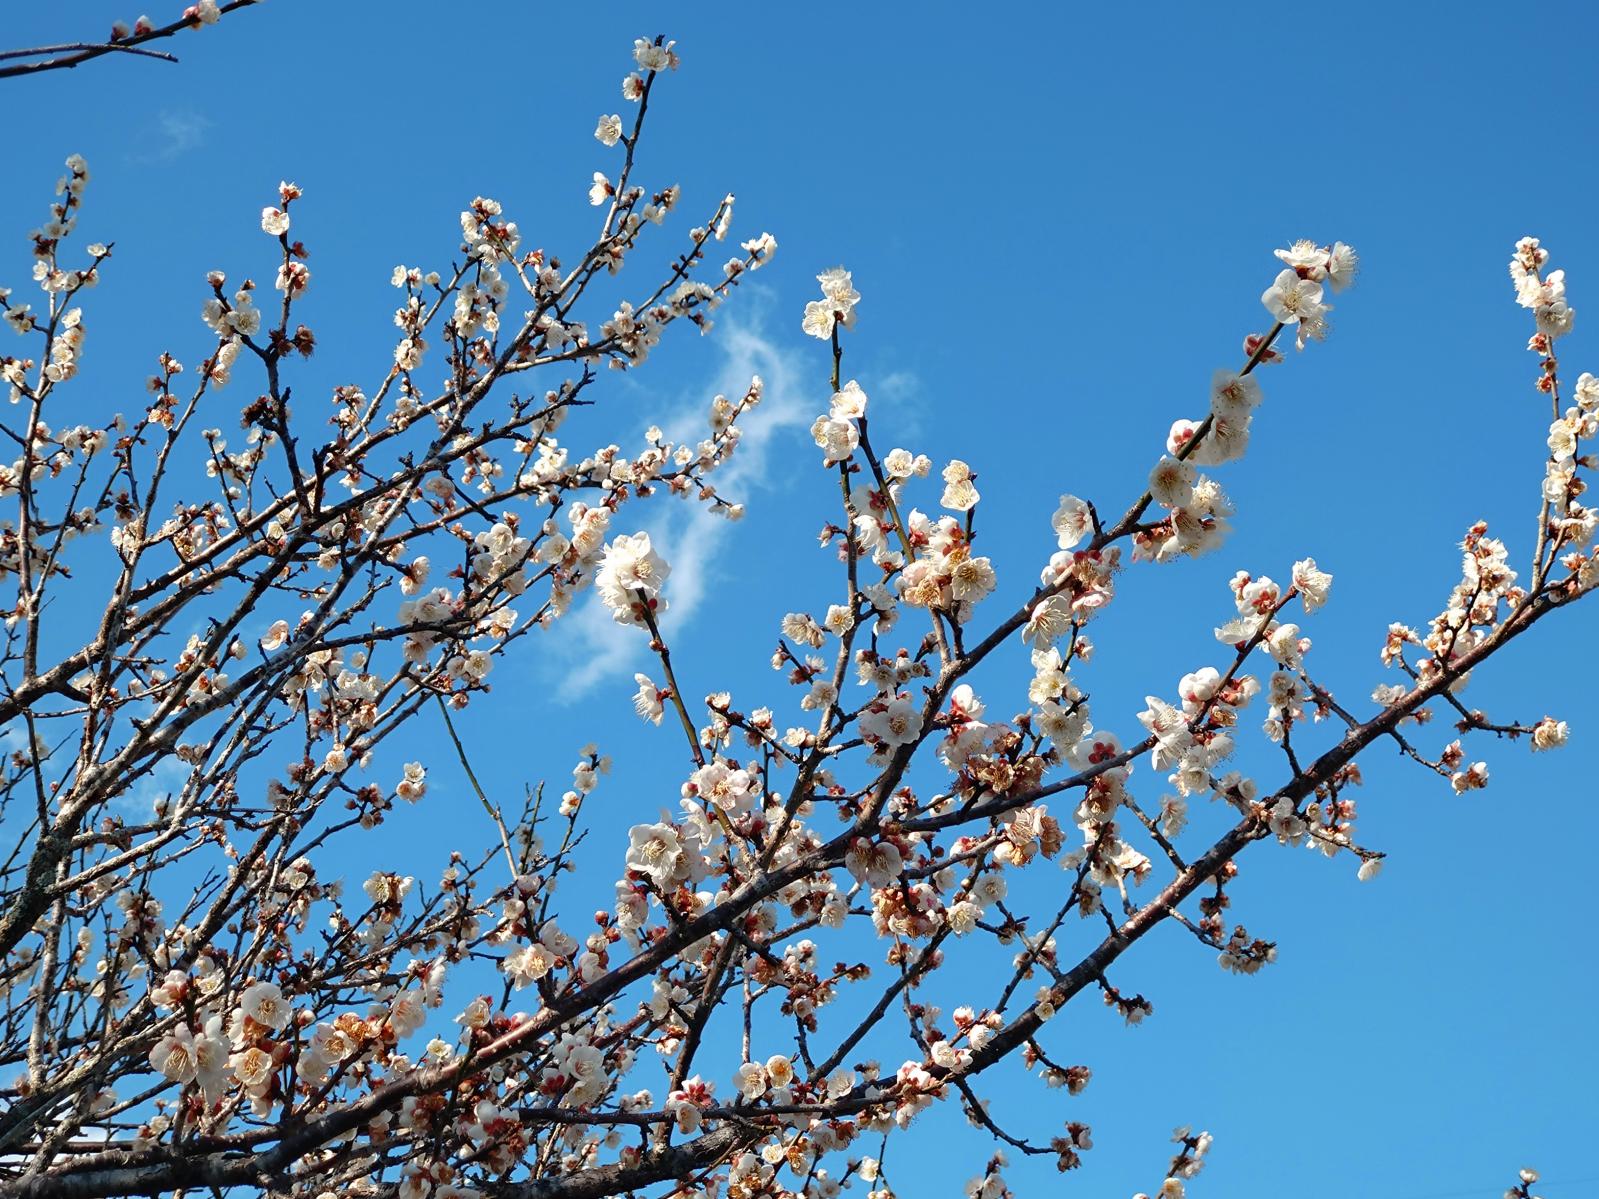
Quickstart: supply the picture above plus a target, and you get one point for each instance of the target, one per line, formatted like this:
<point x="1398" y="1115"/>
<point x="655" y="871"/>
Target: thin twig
<point x="71" y="54"/>
<point x="494" y="813"/>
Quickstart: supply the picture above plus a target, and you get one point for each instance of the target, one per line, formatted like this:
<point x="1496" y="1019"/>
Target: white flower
<point x="840" y="619"/>
<point x="1553" y="314"/>
<point x="211" y="1058"/>
<point x="274" y="221"/>
<point x="1285" y="644"/>
<point x="648" y="701"/>
<point x="878" y="864"/>
<point x="1586" y="392"/>
<point x="1291" y="299"/>
<point x="332" y="1043"/>
<point x="600" y="190"/>
<point x="169" y="992"/>
<point x="1232" y="395"/>
<point x="408" y="354"/>
<point x="720" y="784"/>
<point x="1306" y="259"/>
<point x="750" y="1078"/>
<point x="970" y="579"/>
<point x="963" y="917"/>
<point x="902" y="464"/>
<point x="174" y="1055"/>
<point x="837" y="305"/>
<point x="1049" y="621"/>
<point x="293" y="278"/>
<point x="838" y="286"/>
<point x="407" y="1012"/>
<point x="1313" y="584"/>
<point x="1196" y="689"/>
<point x="837" y="438"/>
<point x="252" y="1067"/>
<point x="651" y="57"/>
<point x="848" y="402"/>
<point x="1072" y="521"/>
<point x="1342" y="265"/>
<point x="263" y="1002"/>
<point x="19" y="317"/>
<point x="413" y="782"/>
<point x="1548" y="733"/>
<point x="1171" y="483"/>
<point x="898" y="722"/>
<point x="959" y="494"/>
<point x="779" y="1070"/>
<point x="631" y="569"/>
<point x="818" y="321"/>
<point x="609" y="130"/>
<point x="1173" y="739"/>
<point x="655" y="852"/>
<point x="527" y="964"/>
<point x="800" y="628"/>
<point x="1288" y="825"/>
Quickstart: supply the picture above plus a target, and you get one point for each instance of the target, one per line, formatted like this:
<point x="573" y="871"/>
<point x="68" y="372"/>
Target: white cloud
<point x="896" y="395"/>
<point x="165" y="779"/>
<point x="174" y="133"/>
<point x="593" y="647"/>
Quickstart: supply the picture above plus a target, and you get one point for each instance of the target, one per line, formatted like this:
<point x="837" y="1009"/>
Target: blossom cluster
<point x="834" y="890"/>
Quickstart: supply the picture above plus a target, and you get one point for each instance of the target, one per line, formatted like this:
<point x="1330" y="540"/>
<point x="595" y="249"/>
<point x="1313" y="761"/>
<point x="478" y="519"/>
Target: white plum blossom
<point x="1342" y="265"/>
<point x="877" y="864"/>
<point x="849" y="401"/>
<point x="836" y="437"/>
<point x="630" y="578"/>
<point x="1291" y="298"/>
<point x="751" y="1080"/>
<point x="263" y="1003"/>
<point x="527" y="964"/>
<point x="1312" y="584"/>
<point x="1234" y="396"/>
<point x="648" y="701"/>
<point x="836" y="432"/>
<point x="293" y="279"/>
<point x="174" y="1055"/>
<point x="656" y="852"/>
<point x="1171" y="483"/>
<point x="504" y="1017"/>
<point x="894" y="723"/>
<point x="655" y="56"/>
<point x="1072" y="521"/>
<point x="959" y="493"/>
<point x="836" y="307"/>
<point x="1549" y="733"/>
<point x="274" y="221"/>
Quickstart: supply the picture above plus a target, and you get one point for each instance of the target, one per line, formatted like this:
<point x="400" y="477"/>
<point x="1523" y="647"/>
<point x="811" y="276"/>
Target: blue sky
<point x="1060" y="219"/>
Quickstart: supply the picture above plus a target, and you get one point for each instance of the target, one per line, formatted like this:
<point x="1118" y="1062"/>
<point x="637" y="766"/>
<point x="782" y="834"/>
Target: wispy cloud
<point x="898" y="385"/>
<point x="594" y="648"/>
<point x="174" y="133"/>
<point x="165" y="779"/>
<point x="896" y="392"/>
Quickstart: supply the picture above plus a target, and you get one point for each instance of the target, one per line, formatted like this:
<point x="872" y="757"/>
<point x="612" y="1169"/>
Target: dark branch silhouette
<point x="67" y="55"/>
